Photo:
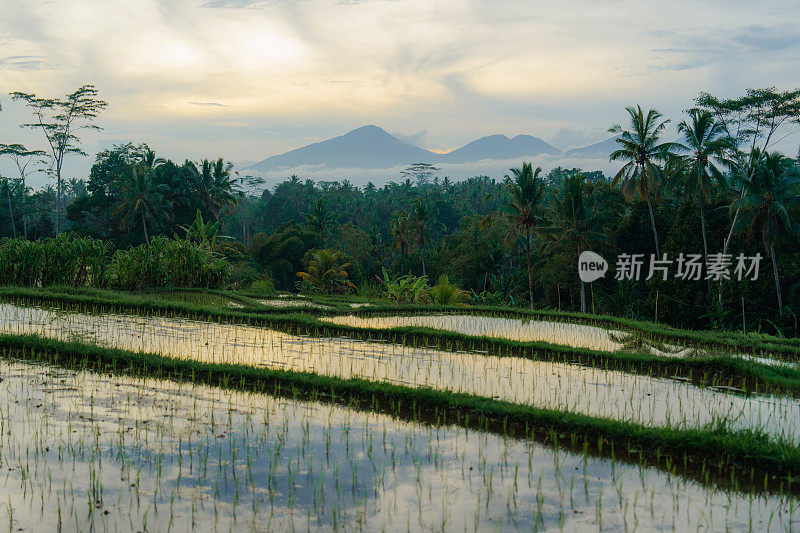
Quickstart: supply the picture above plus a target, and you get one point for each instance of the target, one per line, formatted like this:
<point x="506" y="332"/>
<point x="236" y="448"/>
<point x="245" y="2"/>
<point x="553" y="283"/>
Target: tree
<point x="752" y="120"/>
<point x="22" y="158"/>
<point x="573" y="226"/>
<point x="421" y="172"/>
<point x="400" y="229"/>
<point x="214" y="186"/>
<point x="319" y="219"/>
<point x="705" y="144"/>
<point x="142" y="200"/>
<point x="59" y="119"/>
<point x="525" y="189"/>
<point x="769" y="196"/>
<point x="326" y="272"/>
<point x="641" y="174"/>
<point x="419" y="224"/>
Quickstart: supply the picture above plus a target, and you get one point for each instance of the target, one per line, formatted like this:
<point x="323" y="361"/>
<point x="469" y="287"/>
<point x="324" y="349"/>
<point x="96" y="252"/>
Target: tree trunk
<point x="528" y="258"/>
<point x="144" y="227"/>
<point x="705" y="242"/>
<point x="653" y="222"/>
<point x="24" y="209"/>
<point x="777" y="279"/>
<point x="58" y="199"/>
<point x="11" y="211"/>
<point x="583" y="297"/>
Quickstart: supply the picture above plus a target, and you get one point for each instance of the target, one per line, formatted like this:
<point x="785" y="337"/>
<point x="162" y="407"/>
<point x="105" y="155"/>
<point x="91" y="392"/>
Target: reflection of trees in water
<point x="636" y="342"/>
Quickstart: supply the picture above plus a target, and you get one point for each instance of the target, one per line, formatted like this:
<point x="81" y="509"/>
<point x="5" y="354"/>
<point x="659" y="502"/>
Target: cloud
<point x="23" y="63"/>
<point x="417" y="139"/>
<point x="208" y="104"/>
<point x="566" y="138"/>
<point x="772" y="38"/>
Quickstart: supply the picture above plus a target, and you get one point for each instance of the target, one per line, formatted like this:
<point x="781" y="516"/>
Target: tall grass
<point x="86" y="262"/>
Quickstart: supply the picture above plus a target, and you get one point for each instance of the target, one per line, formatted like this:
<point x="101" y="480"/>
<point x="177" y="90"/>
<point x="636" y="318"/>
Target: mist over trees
<point x="718" y="188"/>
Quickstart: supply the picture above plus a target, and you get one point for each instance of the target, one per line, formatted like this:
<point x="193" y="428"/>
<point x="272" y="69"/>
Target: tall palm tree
<point x="319" y="219"/>
<point x="573" y="226"/>
<point x="419" y="222"/>
<point x="142" y="201"/>
<point x="640" y="147"/>
<point x="23" y="158"/>
<point x="215" y="187"/>
<point x="400" y="229"/>
<point x="525" y="188"/>
<point x="770" y="194"/>
<point x="705" y="144"/>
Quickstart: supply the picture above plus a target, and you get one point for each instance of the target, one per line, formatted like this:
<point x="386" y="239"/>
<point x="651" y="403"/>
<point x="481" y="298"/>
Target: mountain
<point x="597" y="150"/>
<point x="500" y="147"/>
<point x="372" y="148"/>
<point x="365" y="147"/>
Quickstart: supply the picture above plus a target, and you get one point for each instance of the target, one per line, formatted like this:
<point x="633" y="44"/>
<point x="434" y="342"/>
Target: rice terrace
<point x="435" y="326"/>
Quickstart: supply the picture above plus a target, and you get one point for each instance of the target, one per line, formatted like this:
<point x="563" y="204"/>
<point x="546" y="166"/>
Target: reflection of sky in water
<point x="592" y="391"/>
<point x="202" y="455"/>
<point x="528" y="330"/>
<point x="564" y="333"/>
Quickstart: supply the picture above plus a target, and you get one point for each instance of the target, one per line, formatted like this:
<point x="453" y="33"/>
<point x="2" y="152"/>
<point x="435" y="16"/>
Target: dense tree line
<point x="719" y="188"/>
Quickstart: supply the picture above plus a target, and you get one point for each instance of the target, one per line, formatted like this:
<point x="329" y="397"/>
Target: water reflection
<point x="593" y="391"/>
<point x="83" y="451"/>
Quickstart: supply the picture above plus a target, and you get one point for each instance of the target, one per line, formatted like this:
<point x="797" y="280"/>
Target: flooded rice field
<point x="529" y="330"/>
<point x="81" y="451"/>
<point x="592" y="391"/>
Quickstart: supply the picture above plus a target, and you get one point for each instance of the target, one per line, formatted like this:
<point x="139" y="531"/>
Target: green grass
<point x="707" y="370"/>
<point x="743" y="456"/>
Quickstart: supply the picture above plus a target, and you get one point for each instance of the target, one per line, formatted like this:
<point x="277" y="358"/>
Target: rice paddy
<point x="84" y="448"/>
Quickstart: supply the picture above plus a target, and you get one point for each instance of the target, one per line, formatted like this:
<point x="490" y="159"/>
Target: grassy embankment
<point x="708" y="369"/>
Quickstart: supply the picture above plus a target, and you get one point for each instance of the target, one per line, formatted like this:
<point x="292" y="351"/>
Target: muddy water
<point x="592" y="391"/>
<point x="82" y="451"/>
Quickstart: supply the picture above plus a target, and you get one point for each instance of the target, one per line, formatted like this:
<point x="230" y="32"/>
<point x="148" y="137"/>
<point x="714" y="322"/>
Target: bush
<point x="168" y="263"/>
<point x="445" y="293"/>
<point x="326" y="273"/>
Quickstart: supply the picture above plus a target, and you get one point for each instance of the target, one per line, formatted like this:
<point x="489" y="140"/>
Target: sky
<point x="247" y="79"/>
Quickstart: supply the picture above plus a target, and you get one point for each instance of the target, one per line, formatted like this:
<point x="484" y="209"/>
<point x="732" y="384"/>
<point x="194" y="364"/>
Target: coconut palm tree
<point x="640" y="147"/>
<point x="214" y="186"/>
<point x="22" y="158"/>
<point x="705" y="144"/>
<point x="769" y="196"/>
<point x="327" y="273"/>
<point x="525" y="188"/>
<point x="142" y="200"/>
<point x="319" y="219"/>
<point x="419" y="224"/>
<point x="573" y="225"/>
<point x="400" y="229"/>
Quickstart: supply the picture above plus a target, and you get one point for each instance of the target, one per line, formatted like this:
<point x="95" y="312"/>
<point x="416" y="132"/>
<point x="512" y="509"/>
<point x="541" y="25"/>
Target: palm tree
<point x="419" y="221"/>
<point x="574" y="226"/>
<point x="149" y="159"/>
<point x="327" y="273"/>
<point x="400" y="229"/>
<point x="705" y="143"/>
<point x="525" y="189"/>
<point x="142" y="200"/>
<point x="641" y="174"/>
<point x="214" y="186"/>
<point x="22" y="158"/>
<point x="319" y="219"/>
<point x="770" y="194"/>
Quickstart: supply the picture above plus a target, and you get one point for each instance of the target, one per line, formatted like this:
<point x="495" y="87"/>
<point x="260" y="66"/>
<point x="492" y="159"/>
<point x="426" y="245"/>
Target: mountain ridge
<point x="371" y="146"/>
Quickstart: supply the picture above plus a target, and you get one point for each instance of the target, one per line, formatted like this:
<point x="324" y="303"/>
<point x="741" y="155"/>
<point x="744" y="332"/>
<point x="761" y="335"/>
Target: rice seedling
<point x="81" y="450"/>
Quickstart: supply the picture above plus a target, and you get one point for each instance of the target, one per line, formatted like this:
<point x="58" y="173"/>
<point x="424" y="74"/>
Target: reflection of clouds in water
<point x="390" y="473"/>
<point x="588" y="390"/>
